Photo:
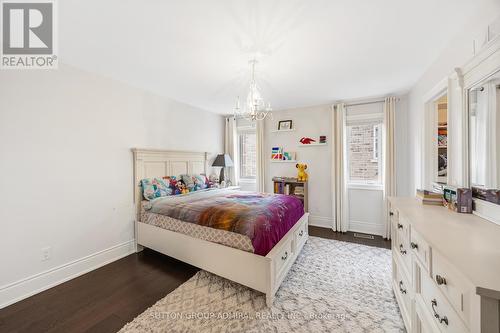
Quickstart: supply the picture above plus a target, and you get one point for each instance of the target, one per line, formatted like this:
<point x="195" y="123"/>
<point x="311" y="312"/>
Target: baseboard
<point x="320" y="221"/>
<point x="24" y="288"/>
<point x="366" y="228"/>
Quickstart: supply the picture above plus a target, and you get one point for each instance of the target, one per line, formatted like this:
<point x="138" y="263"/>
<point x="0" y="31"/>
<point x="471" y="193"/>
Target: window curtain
<point x="389" y="159"/>
<point x="231" y="148"/>
<point x="261" y="161"/>
<point x="340" y="204"/>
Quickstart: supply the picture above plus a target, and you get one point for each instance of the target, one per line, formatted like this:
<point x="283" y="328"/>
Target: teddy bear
<point x="302" y="175"/>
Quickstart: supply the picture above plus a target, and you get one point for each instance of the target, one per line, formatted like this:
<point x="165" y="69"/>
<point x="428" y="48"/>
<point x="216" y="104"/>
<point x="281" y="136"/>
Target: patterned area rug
<point x="332" y="287"/>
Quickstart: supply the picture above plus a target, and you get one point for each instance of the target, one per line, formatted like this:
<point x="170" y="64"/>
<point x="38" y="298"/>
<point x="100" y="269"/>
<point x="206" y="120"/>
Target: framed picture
<point x="284" y="125"/>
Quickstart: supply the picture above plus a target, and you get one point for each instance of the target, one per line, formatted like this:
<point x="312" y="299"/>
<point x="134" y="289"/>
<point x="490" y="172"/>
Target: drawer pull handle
<point x="301" y="233"/>
<point x="403" y="291"/>
<point x="400" y="226"/>
<point x="285" y="256"/>
<point x="403" y="251"/>
<point x="440" y="280"/>
<point x="444" y="319"/>
<point x="391" y="214"/>
<point x="414" y="245"/>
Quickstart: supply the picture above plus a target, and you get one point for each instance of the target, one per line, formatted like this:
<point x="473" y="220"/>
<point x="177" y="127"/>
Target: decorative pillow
<point x="189" y="182"/>
<point x="175" y="185"/>
<point x="200" y="181"/>
<point x="155" y="187"/>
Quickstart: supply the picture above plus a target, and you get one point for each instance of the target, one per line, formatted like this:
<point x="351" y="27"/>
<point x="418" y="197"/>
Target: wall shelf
<point x="283" y="161"/>
<point x="280" y="131"/>
<point x="312" y="144"/>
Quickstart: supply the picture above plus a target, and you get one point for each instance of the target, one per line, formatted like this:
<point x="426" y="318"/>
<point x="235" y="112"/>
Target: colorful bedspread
<point x="264" y="218"/>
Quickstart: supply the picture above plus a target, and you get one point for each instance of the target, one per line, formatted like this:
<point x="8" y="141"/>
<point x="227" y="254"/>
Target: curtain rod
<point x="368" y="102"/>
<point x="365" y="103"/>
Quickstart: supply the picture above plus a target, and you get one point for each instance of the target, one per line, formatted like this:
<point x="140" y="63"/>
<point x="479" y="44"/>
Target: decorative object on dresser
<point x="445" y="269"/>
<point x="285" y="125"/>
<point x="429" y="198"/>
<point x="222" y="160"/>
<point x="457" y="199"/>
<point x="292" y="186"/>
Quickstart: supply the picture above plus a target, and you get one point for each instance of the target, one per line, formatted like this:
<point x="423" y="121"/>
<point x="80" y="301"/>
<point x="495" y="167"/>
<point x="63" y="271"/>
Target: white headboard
<point x="159" y="163"/>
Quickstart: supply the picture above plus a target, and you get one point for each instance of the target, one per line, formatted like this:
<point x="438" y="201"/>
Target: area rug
<point x="333" y="286"/>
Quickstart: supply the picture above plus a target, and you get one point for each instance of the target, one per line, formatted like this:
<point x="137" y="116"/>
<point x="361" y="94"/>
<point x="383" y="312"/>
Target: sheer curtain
<point x="261" y="161"/>
<point x="340" y="206"/>
<point x="389" y="159"/>
<point x="231" y="148"/>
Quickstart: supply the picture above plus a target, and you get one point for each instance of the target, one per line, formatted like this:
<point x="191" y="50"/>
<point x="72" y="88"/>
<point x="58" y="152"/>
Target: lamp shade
<point x="223" y="160"/>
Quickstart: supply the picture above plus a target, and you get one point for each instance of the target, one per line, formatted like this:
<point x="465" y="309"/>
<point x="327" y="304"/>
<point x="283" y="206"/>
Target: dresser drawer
<point x="424" y="322"/>
<point x="403" y="252"/>
<point x="420" y="248"/>
<point x="453" y="285"/>
<point x="443" y="314"/>
<point x="403" y="229"/>
<point x="284" y="257"/>
<point x="403" y="288"/>
<point x="300" y="235"/>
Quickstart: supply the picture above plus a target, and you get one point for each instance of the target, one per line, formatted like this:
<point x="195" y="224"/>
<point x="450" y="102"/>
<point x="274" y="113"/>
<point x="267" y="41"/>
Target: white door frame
<point x="429" y="138"/>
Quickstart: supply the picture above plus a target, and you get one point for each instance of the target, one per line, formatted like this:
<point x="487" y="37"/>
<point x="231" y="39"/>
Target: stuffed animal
<point x="306" y="141"/>
<point x="179" y="186"/>
<point x="302" y="174"/>
<point x="184" y="190"/>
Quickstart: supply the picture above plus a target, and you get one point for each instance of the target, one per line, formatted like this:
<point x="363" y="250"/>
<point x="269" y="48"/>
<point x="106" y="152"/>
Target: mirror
<point x="484" y="138"/>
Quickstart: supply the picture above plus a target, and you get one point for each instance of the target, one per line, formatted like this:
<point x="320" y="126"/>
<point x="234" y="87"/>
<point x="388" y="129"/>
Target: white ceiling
<point x="311" y="51"/>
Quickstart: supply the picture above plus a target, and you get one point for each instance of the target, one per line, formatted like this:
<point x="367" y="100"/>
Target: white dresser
<point x="446" y="269"/>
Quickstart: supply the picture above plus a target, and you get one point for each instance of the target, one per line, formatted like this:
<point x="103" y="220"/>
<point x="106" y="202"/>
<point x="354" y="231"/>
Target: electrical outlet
<point x="46" y="253"/>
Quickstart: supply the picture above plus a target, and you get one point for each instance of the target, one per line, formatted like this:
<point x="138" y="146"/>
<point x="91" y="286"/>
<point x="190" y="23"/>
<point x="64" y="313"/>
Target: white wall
<point x="66" y="169"/>
<point x="309" y="122"/>
<point x="455" y="54"/>
<point x="313" y="122"/>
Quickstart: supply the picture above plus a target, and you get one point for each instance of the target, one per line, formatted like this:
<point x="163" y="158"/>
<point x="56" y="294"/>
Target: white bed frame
<point x="264" y="274"/>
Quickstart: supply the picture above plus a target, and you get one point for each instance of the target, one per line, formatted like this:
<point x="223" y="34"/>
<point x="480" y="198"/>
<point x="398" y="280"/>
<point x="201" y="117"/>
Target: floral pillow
<point x="155" y="187"/>
<point x="194" y="182"/>
<point x="201" y="181"/>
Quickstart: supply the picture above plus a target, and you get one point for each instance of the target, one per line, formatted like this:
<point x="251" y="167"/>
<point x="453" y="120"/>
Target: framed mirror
<point x="484" y="139"/>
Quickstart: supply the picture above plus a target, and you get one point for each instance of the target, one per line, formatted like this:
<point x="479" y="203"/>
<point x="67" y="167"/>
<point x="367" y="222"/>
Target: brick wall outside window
<point x="362" y="165"/>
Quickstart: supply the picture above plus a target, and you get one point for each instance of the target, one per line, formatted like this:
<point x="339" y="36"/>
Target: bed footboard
<point x="264" y="274"/>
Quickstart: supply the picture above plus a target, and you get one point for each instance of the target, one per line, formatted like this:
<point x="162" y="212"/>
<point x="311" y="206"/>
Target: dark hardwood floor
<point x="106" y="299"/>
<point x="377" y="241"/>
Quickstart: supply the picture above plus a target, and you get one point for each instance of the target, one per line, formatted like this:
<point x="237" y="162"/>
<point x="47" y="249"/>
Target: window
<point x="248" y="153"/>
<point x="364" y="152"/>
<point x="376" y="141"/>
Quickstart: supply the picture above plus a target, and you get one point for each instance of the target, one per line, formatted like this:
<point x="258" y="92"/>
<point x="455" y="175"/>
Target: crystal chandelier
<point x="255" y="108"/>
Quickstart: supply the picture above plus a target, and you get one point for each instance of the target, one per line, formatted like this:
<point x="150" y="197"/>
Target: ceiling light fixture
<point x="255" y="108"/>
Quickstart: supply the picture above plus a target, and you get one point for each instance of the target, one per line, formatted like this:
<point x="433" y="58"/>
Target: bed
<point x="259" y="260"/>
